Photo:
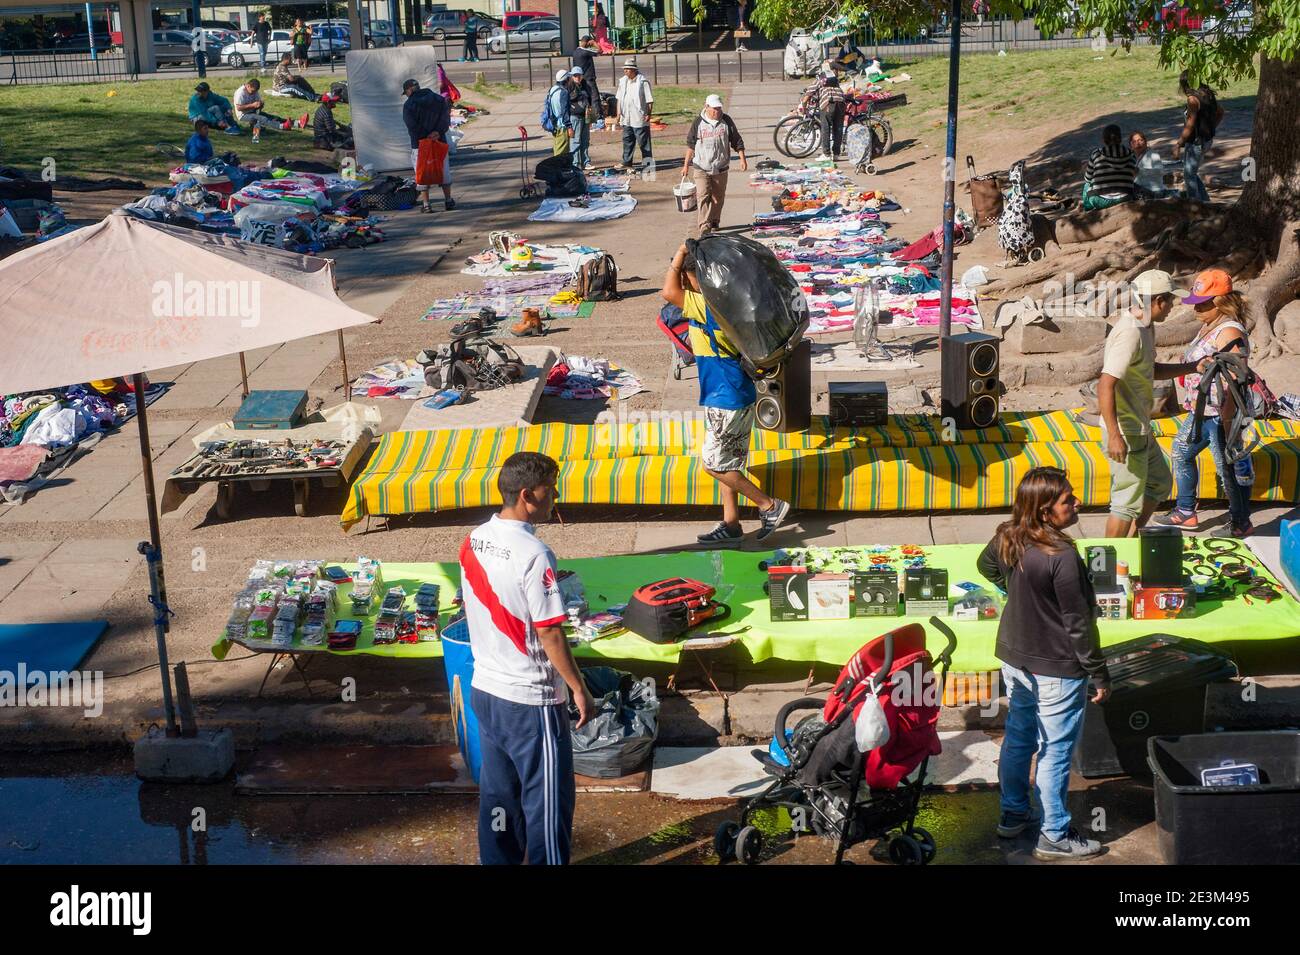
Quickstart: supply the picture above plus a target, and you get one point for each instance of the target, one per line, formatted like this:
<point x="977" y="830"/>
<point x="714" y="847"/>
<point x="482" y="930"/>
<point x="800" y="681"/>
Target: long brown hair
<point x="1037" y="492"/>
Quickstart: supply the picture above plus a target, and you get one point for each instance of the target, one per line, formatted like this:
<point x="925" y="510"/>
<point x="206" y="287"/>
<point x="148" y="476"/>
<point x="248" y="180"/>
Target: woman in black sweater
<point x="1049" y="648"/>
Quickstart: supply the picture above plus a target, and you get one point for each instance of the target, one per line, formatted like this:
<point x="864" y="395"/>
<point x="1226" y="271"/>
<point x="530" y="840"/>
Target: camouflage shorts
<point x="726" y="438"/>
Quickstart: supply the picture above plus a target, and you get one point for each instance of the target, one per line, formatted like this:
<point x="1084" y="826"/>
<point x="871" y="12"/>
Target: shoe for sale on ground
<point x="1176" y="518"/>
<point x="1242" y="532"/>
<point x="722" y="535"/>
<point x="1012" y="824"/>
<point x="528" y="325"/>
<point x="1072" y="846"/>
<point x="772" y="519"/>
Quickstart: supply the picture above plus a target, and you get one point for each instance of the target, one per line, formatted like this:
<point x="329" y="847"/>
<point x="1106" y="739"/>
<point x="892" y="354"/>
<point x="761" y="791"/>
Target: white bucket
<point x="684" y="193"/>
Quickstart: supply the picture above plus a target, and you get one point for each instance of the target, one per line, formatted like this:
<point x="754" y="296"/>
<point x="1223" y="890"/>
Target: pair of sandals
<point x="427" y="206"/>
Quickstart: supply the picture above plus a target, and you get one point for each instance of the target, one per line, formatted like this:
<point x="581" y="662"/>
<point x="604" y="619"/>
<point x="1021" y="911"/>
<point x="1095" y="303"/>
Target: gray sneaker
<point x="722" y="536"/>
<point x="1012" y="824"/>
<point x="1072" y="846"/>
<point x="772" y="519"/>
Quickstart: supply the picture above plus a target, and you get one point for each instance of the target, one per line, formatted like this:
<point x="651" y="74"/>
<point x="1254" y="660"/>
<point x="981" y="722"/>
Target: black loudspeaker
<point x="971" y="391"/>
<point x="1162" y="556"/>
<point x="785" y="399"/>
<point x="1102" y="564"/>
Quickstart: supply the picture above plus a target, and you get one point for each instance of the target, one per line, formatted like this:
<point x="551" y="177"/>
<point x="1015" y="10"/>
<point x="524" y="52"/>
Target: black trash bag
<point x="619" y="738"/>
<point x="339" y="91"/>
<point x="561" y="178"/>
<point x="755" y="301"/>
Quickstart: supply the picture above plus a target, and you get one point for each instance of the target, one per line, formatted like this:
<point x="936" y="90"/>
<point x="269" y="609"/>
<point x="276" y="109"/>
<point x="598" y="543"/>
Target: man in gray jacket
<point x="709" y="144"/>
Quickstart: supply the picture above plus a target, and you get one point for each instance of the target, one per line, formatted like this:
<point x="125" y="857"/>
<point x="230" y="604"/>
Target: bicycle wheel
<point x="884" y="134"/>
<point x="804" y="140"/>
<point x="782" y="132"/>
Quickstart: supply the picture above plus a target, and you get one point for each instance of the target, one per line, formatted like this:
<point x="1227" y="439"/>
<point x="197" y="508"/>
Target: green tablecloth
<point x="610" y="580"/>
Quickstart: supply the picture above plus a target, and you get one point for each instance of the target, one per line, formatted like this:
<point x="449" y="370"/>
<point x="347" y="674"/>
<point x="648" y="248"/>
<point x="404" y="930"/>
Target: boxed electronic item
<point x="830" y="596"/>
<point x="1163" y="603"/>
<point x="875" y="593"/>
<point x="1112" y="603"/>
<point x="787" y="593"/>
<point x="925" y="592"/>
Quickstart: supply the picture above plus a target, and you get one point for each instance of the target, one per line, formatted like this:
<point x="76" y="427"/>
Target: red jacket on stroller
<point x="909" y="700"/>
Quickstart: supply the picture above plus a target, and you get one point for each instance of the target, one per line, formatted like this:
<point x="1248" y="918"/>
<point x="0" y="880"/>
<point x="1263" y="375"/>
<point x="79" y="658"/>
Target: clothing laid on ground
<point x="635" y="99"/>
<point x="1110" y="171"/>
<point x="723" y="382"/>
<point x="527" y="774"/>
<point x="1049" y="623"/>
<point x="510" y="588"/>
<point x="198" y="149"/>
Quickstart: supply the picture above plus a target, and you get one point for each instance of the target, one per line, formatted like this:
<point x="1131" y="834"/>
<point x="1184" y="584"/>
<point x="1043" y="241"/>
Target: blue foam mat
<point x="48" y="646"/>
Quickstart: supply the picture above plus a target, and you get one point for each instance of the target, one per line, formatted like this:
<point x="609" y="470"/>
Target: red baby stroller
<point x="673" y="324"/>
<point x="819" y="780"/>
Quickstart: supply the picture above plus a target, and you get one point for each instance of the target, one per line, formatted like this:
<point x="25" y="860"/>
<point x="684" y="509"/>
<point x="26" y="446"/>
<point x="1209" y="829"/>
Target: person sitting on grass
<point x="326" y="133"/>
<point x="285" y="80"/>
<point x="251" y="108"/>
<point x="1110" y="173"/>
<point x="198" y="149"/>
<point x="1151" y="170"/>
<point x="214" y="108"/>
<point x="728" y="396"/>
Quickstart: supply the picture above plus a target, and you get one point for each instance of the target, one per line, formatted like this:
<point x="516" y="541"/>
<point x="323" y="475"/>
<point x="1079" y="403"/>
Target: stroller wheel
<point x="904" y="850"/>
<point x="677" y="372"/>
<point x="928" y="848"/>
<point x="724" y="841"/>
<point x="749" y="845"/>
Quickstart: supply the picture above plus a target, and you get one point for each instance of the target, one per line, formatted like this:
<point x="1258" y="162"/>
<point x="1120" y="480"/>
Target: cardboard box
<point x="1163" y="603"/>
<point x="787" y="593"/>
<point x="875" y="594"/>
<point x="1112" y="603"/>
<point x="830" y="596"/>
<point x="925" y="592"/>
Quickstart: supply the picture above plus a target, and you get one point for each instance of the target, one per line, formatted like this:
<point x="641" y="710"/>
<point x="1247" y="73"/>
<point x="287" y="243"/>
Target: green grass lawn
<point x="1026" y="89"/>
<point x="111" y="129"/>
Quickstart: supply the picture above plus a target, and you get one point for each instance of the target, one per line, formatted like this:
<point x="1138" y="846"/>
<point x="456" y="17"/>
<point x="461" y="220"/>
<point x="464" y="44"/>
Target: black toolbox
<point x="1252" y="824"/>
<point x="1158" y="688"/>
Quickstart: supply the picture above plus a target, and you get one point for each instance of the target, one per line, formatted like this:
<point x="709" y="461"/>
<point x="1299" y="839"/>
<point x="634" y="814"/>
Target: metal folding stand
<point x="275" y="658"/>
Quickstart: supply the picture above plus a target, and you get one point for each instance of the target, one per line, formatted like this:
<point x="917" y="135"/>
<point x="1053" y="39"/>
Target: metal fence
<point x="72" y="64"/>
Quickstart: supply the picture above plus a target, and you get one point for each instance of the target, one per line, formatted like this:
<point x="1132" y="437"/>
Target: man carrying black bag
<point x="728" y="396"/>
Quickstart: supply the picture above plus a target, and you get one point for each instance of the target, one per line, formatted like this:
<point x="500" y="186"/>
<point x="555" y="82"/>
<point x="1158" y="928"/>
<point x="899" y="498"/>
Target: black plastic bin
<point x="1227" y="825"/>
<point x="1158" y="688"/>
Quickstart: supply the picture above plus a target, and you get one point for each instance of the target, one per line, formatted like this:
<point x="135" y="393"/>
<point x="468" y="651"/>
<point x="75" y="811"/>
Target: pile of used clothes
<point x="576" y="377"/>
<point x="40" y="432"/>
<point x="828" y="233"/>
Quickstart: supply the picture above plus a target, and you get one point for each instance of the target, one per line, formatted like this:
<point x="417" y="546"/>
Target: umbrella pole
<point x="347" y="383"/>
<point x="152" y="551"/>
<point x="243" y="373"/>
<point x="950" y="169"/>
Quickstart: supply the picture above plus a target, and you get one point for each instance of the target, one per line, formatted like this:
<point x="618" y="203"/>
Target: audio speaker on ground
<point x="785" y="399"/>
<point x="971" y="390"/>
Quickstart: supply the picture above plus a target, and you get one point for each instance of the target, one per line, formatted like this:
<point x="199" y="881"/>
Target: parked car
<point x="1236" y="18"/>
<point x="518" y="18"/>
<point x="172" y="46"/>
<point x="533" y="34"/>
<point x="243" y="52"/>
<point x="381" y="33"/>
<point x="444" y="23"/>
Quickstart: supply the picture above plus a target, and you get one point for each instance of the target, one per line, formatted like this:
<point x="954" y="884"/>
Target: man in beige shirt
<point x="1140" y="478"/>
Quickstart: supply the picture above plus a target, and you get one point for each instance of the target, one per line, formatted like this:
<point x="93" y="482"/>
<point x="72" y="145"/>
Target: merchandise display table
<point x="1236" y="622"/>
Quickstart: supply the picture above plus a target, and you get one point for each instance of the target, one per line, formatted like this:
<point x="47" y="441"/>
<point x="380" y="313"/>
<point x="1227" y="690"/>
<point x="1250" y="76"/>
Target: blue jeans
<point x="261" y="56"/>
<point x="201" y="63"/>
<point x="526" y="789"/>
<point x="1237" y="480"/>
<point x="580" y="143"/>
<point x="1045" y="715"/>
<point x="1193" y="155"/>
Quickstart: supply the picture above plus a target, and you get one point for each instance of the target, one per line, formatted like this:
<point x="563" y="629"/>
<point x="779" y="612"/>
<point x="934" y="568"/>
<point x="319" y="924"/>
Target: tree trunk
<point x="1272" y="198"/>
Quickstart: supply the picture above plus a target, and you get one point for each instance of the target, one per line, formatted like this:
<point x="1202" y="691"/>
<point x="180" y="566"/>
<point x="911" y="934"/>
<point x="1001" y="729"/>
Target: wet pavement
<point x="81" y="808"/>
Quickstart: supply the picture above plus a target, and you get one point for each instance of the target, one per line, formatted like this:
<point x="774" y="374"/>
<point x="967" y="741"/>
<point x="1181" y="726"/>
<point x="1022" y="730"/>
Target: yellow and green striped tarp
<point x="909" y="465"/>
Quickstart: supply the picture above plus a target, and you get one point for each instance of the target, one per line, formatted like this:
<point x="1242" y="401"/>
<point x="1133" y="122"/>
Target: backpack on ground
<point x="562" y="178"/>
<point x="547" y="119"/>
<point x="598" y="279"/>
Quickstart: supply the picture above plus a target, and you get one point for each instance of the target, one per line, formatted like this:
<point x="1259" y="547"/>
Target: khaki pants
<point x="710" y="193"/>
<point x="1144" y="476"/>
<point x="560" y="143"/>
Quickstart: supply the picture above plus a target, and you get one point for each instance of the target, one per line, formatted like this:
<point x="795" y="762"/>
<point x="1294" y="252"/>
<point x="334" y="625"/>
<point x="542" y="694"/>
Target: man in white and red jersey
<point x="522" y="666"/>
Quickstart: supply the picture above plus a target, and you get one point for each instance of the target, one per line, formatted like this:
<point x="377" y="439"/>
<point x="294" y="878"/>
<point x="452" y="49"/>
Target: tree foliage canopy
<point x="1228" y="50"/>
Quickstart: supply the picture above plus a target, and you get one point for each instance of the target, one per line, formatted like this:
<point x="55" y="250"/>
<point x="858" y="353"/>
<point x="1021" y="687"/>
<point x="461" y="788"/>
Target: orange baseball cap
<point x="1209" y="284"/>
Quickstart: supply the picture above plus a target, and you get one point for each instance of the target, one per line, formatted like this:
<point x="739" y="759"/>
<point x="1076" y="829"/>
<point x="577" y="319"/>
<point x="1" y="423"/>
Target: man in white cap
<point x="559" y="114"/>
<point x="1140" y="478"/>
<point x="709" y="144"/>
<point x="635" y="106"/>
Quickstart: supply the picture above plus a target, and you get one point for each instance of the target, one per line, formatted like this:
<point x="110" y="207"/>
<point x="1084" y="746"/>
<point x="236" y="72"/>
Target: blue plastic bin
<point x="458" y="658"/>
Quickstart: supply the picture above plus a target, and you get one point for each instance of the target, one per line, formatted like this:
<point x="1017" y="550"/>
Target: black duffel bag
<point x="618" y="739"/>
<point x="562" y="179"/>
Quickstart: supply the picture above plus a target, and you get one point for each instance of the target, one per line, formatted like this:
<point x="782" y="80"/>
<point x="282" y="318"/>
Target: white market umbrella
<point x="127" y="296"/>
